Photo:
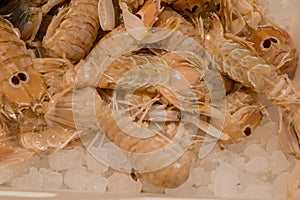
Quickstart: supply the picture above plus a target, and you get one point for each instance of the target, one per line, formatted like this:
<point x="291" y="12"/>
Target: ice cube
<point x="296" y="195"/>
<point x="257" y="192"/>
<point x="273" y="144"/>
<point x="248" y="179"/>
<point x="93" y="164"/>
<point x="255" y="150"/>
<point x="43" y="162"/>
<point x="239" y="147"/>
<point x="278" y="162"/>
<point x="75" y="157"/>
<point x="226" y="180"/>
<point x="227" y="156"/>
<point x="97" y="183"/>
<point x="257" y="164"/>
<point x="51" y="179"/>
<point x="210" y="163"/>
<point x="116" y="157"/>
<point x="200" y="177"/>
<point x="22" y="168"/>
<point x="279" y="186"/>
<point x="185" y="188"/>
<point x="66" y="159"/>
<point x="5" y="174"/>
<point x="265" y="132"/>
<point x="76" y="178"/>
<point x="203" y="191"/>
<point x="31" y="180"/>
<point x="149" y="188"/>
<point x="239" y="162"/>
<point x="58" y="162"/>
<point x="279" y="6"/>
<point x="122" y="183"/>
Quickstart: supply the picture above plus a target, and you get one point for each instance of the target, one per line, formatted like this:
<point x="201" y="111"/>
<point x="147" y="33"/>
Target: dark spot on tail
<point x="218" y="7"/>
<point x="139" y="16"/>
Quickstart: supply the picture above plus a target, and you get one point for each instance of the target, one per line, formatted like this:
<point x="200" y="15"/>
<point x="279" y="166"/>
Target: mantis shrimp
<point x="244" y="66"/>
<point x="246" y="19"/>
<point x="21" y="85"/>
<point x="276" y="47"/>
<point x="27" y="15"/>
<point x="27" y="93"/>
<point x="72" y="32"/>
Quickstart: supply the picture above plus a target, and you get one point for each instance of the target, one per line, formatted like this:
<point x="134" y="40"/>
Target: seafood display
<point x="161" y="82"/>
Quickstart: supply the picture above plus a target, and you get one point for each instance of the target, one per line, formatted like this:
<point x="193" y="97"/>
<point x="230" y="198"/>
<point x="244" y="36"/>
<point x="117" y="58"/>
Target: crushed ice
<point x="253" y="168"/>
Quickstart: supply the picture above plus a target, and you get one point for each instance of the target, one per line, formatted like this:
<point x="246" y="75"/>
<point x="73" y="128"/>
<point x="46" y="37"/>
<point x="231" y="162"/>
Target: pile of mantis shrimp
<point x="145" y="73"/>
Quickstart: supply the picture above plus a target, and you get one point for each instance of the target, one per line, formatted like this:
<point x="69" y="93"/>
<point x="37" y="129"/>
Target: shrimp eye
<point x="267" y="43"/>
<point x="247" y="131"/>
<point x="187" y="10"/>
<point x="22" y="76"/>
<point x="274" y="40"/>
<point x="218" y="7"/>
<point x="15" y="81"/>
<point x="139" y="16"/>
<point x="206" y="5"/>
<point x="194" y="9"/>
